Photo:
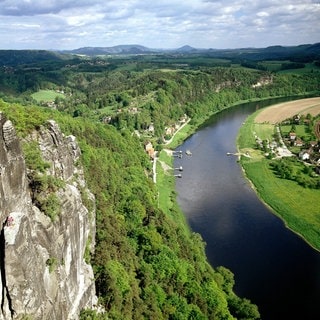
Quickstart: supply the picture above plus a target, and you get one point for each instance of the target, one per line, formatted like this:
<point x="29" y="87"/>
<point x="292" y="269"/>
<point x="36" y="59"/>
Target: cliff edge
<point x="44" y="274"/>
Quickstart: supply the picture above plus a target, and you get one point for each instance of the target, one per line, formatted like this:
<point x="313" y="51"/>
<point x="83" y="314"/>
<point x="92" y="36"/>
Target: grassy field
<point x="165" y="182"/>
<point x="309" y="67"/>
<point x="166" y="188"/>
<point x="272" y="65"/>
<point x="300" y="130"/>
<point x="46" y="95"/>
<point x="276" y="66"/>
<point x="297" y="206"/>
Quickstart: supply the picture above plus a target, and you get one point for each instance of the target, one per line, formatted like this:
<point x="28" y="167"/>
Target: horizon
<point x="160" y="49"/>
<point x="66" y="25"/>
<point x="192" y="47"/>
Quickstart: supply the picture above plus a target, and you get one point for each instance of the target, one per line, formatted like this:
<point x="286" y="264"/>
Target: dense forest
<point x="146" y="264"/>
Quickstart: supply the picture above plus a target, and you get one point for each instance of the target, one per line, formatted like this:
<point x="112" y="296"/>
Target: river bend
<point x="273" y="267"/>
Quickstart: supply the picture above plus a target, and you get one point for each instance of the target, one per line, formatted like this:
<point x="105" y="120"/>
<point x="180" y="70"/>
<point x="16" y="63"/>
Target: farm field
<point x="282" y="111"/>
<point x="294" y="204"/>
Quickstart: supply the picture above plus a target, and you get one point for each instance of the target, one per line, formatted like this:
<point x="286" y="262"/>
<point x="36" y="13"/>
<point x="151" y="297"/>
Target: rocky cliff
<point x="43" y="271"/>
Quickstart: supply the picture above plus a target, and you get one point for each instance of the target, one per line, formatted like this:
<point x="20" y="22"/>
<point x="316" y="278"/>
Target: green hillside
<point x="147" y="263"/>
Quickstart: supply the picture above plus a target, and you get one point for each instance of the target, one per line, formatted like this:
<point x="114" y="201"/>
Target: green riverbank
<point x="165" y="180"/>
<point x="297" y="206"/>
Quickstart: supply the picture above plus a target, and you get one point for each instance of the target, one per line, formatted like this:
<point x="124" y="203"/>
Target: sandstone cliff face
<point x="43" y="271"/>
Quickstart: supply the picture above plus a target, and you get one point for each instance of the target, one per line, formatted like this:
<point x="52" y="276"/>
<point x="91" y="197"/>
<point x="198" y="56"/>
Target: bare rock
<point x="43" y="271"/>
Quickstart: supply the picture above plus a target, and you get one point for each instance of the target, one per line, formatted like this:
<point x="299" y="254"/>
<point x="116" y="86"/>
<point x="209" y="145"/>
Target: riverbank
<point x="194" y="124"/>
<point x="164" y="179"/>
<point x="290" y="202"/>
<point x="295" y="205"/>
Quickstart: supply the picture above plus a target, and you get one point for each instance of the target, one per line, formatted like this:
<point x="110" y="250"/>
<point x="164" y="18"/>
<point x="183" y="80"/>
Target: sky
<point x="218" y="24"/>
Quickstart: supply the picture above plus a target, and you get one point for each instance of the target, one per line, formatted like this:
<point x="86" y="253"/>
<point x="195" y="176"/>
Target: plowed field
<point x="282" y="111"/>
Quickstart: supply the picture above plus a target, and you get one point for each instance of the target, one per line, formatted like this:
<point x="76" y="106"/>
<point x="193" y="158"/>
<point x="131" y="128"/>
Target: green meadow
<point x="46" y="95"/>
<point x="166" y="189"/>
<point x="297" y="206"/>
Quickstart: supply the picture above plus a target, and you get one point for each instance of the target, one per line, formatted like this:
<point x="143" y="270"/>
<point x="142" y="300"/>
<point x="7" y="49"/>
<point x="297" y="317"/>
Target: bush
<point x="49" y="205"/>
<point x="33" y="157"/>
<point x="92" y="315"/>
<point x="52" y="264"/>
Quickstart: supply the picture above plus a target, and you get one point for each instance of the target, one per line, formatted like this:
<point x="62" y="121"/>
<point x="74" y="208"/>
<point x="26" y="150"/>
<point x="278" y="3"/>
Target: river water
<point x="273" y="267"/>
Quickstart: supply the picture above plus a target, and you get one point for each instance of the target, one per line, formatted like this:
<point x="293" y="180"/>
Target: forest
<point x="147" y="266"/>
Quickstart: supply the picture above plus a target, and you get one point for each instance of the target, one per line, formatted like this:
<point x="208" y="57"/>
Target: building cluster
<point x="310" y="151"/>
<point x="169" y="132"/>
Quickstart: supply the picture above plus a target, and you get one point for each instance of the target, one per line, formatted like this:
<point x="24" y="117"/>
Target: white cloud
<point x="83" y="19"/>
<point x="159" y="23"/>
<point x="263" y="14"/>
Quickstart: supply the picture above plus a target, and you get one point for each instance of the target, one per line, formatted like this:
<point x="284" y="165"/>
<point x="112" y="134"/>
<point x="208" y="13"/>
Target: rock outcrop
<point x="44" y="274"/>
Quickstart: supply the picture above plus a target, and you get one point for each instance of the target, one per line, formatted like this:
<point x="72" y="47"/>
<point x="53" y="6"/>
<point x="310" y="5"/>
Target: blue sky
<point x="71" y="24"/>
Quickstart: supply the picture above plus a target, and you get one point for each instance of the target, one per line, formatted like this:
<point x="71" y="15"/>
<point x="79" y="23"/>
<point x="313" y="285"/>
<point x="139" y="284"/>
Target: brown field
<point x="282" y="111"/>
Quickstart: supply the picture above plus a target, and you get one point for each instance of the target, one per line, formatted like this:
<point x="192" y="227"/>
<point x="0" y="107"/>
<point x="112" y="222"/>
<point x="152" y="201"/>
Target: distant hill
<point x="311" y="51"/>
<point x="129" y="49"/>
<point x="301" y="53"/>
<point x="20" y="57"/>
<point x="120" y="49"/>
<point x="186" y="49"/>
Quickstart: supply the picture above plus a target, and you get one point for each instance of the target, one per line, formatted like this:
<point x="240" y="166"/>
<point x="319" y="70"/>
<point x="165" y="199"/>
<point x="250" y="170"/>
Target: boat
<point x="188" y="153"/>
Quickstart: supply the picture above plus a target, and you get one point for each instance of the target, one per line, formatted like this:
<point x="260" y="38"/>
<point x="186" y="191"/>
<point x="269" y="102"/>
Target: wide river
<point x="273" y="267"/>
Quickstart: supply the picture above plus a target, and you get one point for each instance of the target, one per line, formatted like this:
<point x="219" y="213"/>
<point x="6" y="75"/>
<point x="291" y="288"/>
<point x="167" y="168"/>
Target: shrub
<point x="33" y="157"/>
<point x="50" y="205"/>
<point x="52" y="264"/>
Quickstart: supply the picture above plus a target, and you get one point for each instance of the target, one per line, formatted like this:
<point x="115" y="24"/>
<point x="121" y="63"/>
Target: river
<point x="273" y="267"/>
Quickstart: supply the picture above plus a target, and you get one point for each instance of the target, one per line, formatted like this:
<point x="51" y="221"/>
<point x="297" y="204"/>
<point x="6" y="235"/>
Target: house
<point x="297" y="118"/>
<point x="313" y="143"/>
<point x="298" y="142"/>
<point x="292" y="136"/>
<point x="169" y="131"/>
<point x="183" y="119"/>
<point x="133" y="110"/>
<point x="148" y="147"/>
<point x="304" y="155"/>
<point x="106" y="119"/>
<point x="151" y="128"/>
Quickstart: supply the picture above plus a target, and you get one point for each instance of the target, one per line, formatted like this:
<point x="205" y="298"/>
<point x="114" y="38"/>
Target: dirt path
<point x="183" y="125"/>
<point x="282" y="111"/>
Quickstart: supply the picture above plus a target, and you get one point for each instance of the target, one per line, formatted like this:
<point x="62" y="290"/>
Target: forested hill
<point x="301" y="52"/>
<point x="25" y="57"/>
<point x="147" y="265"/>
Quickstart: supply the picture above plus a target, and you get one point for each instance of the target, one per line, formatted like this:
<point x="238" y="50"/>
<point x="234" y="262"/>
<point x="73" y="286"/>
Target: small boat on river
<point x="188" y="153"/>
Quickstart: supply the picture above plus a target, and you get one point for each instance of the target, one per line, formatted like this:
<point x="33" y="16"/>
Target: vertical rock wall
<point x="43" y="271"/>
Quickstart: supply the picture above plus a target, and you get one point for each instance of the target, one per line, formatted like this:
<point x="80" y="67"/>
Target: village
<point x="303" y="137"/>
<point x="295" y="137"/>
<point x="168" y="135"/>
<point x="170" y="132"/>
